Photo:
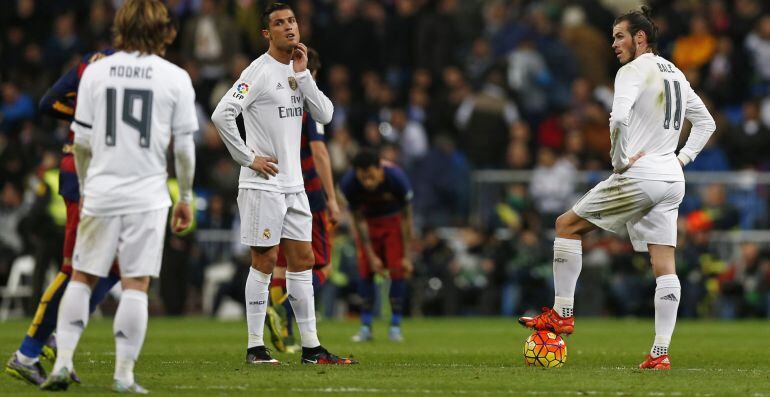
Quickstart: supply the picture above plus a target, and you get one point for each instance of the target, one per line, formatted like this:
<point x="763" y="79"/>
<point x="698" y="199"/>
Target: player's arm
<point x="324" y="168"/>
<point x="320" y="107"/>
<point x="242" y="93"/>
<point x="702" y="127"/>
<point x="82" y="126"/>
<point x="628" y="83"/>
<point x="405" y="193"/>
<point x="362" y="232"/>
<point x="59" y="100"/>
<point x="184" y="164"/>
<point x="184" y="123"/>
<point x="406" y="237"/>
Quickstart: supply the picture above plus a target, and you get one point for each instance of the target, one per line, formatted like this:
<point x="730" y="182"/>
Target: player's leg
<point x="129" y="329"/>
<point x="94" y="253"/>
<point x="393" y="254"/>
<point x="366" y="290"/>
<point x="657" y="231"/>
<point x="567" y="263"/>
<point x="322" y="249"/>
<point x="72" y="320"/>
<point x="296" y="244"/>
<point x="256" y="291"/>
<point x="609" y="205"/>
<point x="279" y="313"/>
<point x="262" y="215"/>
<point x="140" y="254"/>
<point x="23" y="364"/>
<point x="568" y="260"/>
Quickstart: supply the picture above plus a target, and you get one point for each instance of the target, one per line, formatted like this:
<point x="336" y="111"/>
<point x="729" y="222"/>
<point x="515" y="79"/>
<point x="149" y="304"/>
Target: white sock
<point x="71" y="322"/>
<point x="129" y="328"/>
<point x="667" y="295"/>
<point x="257" y="286"/>
<point x="299" y="285"/>
<point x="567" y="262"/>
<point x="26" y="360"/>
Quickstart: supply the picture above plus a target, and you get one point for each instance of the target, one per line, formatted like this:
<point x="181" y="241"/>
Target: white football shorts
<point x="267" y="217"/>
<point x="136" y="239"/>
<point x="647" y="209"/>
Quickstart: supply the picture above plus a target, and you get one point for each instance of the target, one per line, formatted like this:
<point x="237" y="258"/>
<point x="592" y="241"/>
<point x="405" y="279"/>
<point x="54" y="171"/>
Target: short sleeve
<point x="82" y="124"/>
<point x="185" y="119"/>
<point x="311" y="130"/>
<point x="347" y="186"/>
<point x="402" y="185"/>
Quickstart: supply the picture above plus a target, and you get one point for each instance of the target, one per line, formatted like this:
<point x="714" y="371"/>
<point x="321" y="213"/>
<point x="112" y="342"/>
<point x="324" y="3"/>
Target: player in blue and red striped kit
<point x="24" y="364"/>
<point x="319" y="187"/>
<point x="379" y="196"/>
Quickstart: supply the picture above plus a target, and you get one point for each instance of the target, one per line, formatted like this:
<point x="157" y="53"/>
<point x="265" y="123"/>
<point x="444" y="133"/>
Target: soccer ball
<point x="545" y="349"/>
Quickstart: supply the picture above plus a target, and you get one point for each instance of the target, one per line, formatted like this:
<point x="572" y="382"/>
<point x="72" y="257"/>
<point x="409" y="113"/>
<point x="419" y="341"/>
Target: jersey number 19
<point x="141" y="124"/>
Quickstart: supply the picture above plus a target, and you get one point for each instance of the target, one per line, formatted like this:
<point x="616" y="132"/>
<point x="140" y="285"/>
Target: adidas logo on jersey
<point x="120" y="334"/>
<point x="78" y="323"/>
<point x="670" y="297"/>
<point x="279" y="87"/>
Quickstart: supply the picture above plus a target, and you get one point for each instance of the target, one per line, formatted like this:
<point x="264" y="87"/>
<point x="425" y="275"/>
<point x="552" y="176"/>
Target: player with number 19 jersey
<point x="128" y="107"/>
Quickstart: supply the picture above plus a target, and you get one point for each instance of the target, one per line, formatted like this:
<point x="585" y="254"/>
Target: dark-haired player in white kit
<point x="272" y="94"/>
<point x="652" y="99"/>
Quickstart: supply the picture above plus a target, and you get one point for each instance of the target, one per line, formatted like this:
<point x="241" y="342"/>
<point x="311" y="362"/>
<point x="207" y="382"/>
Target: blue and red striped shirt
<point x="313" y="187"/>
<point x="389" y="198"/>
<point x="60" y="101"/>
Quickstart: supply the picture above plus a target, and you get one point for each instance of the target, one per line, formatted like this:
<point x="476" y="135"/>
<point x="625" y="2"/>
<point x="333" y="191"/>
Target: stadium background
<point x="498" y="110"/>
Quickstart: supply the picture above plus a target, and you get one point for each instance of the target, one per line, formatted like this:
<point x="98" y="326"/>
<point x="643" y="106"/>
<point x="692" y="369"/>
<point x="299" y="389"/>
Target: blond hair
<point x="144" y="26"/>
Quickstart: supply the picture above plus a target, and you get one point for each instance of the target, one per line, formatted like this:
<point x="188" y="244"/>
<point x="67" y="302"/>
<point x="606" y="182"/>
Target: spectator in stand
<point x="747" y="142"/>
<point x="758" y="47"/>
<point x="694" y="50"/>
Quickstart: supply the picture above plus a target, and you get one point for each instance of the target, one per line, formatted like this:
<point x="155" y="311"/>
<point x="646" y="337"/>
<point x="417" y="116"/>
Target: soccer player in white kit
<point x="652" y="99"/>
<point x="272" y="94"/>
<point x="129" y="106"/>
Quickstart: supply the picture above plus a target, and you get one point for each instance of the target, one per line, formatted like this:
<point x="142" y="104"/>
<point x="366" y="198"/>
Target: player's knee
<point x="306" y="259"/>
<point x="563" y="225"/>
<point x="264" y="259"/>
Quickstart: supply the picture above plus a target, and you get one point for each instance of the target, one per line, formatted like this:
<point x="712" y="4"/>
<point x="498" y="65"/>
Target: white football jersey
<point x="128" y="106"/>
<point x="272" y="99"/>
<point x="652" y="99"/>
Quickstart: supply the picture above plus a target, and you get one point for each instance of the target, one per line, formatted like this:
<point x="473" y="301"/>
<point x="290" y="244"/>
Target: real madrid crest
<point x="266" y="234"/>
<point x="292" y="82"/>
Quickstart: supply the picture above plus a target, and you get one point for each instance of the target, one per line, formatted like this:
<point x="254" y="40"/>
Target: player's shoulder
<point x="395" y="172"/>
<point x="256" y="68"/>
<point x="94" y="56"/>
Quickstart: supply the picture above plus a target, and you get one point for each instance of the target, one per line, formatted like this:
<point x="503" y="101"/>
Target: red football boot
<point x="549" y="320"/>
<point x="660" y="362"/>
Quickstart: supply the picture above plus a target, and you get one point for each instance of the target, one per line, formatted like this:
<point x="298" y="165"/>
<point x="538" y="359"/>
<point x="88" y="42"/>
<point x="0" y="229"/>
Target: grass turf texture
<point x="470" y="356"/>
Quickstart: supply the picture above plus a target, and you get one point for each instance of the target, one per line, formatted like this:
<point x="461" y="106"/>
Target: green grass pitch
<point x="466" y="357"/>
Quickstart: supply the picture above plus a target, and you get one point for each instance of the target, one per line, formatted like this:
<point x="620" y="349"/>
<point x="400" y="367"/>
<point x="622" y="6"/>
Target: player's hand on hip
<point x="631" y="161"/>
<point x="182" y="217"/>
<point x="299" y="56"/>
<point x="265" y="165"/>
<point x="334" y="212"/>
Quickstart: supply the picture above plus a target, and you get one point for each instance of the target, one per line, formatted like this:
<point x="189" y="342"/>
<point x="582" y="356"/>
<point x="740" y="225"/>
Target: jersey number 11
<point x="678" y="112"/>
<point x="141" y="124"/>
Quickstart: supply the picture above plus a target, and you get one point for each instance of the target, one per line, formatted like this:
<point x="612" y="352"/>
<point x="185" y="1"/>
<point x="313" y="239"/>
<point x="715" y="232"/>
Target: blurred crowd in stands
<point x="443" y="88"/>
